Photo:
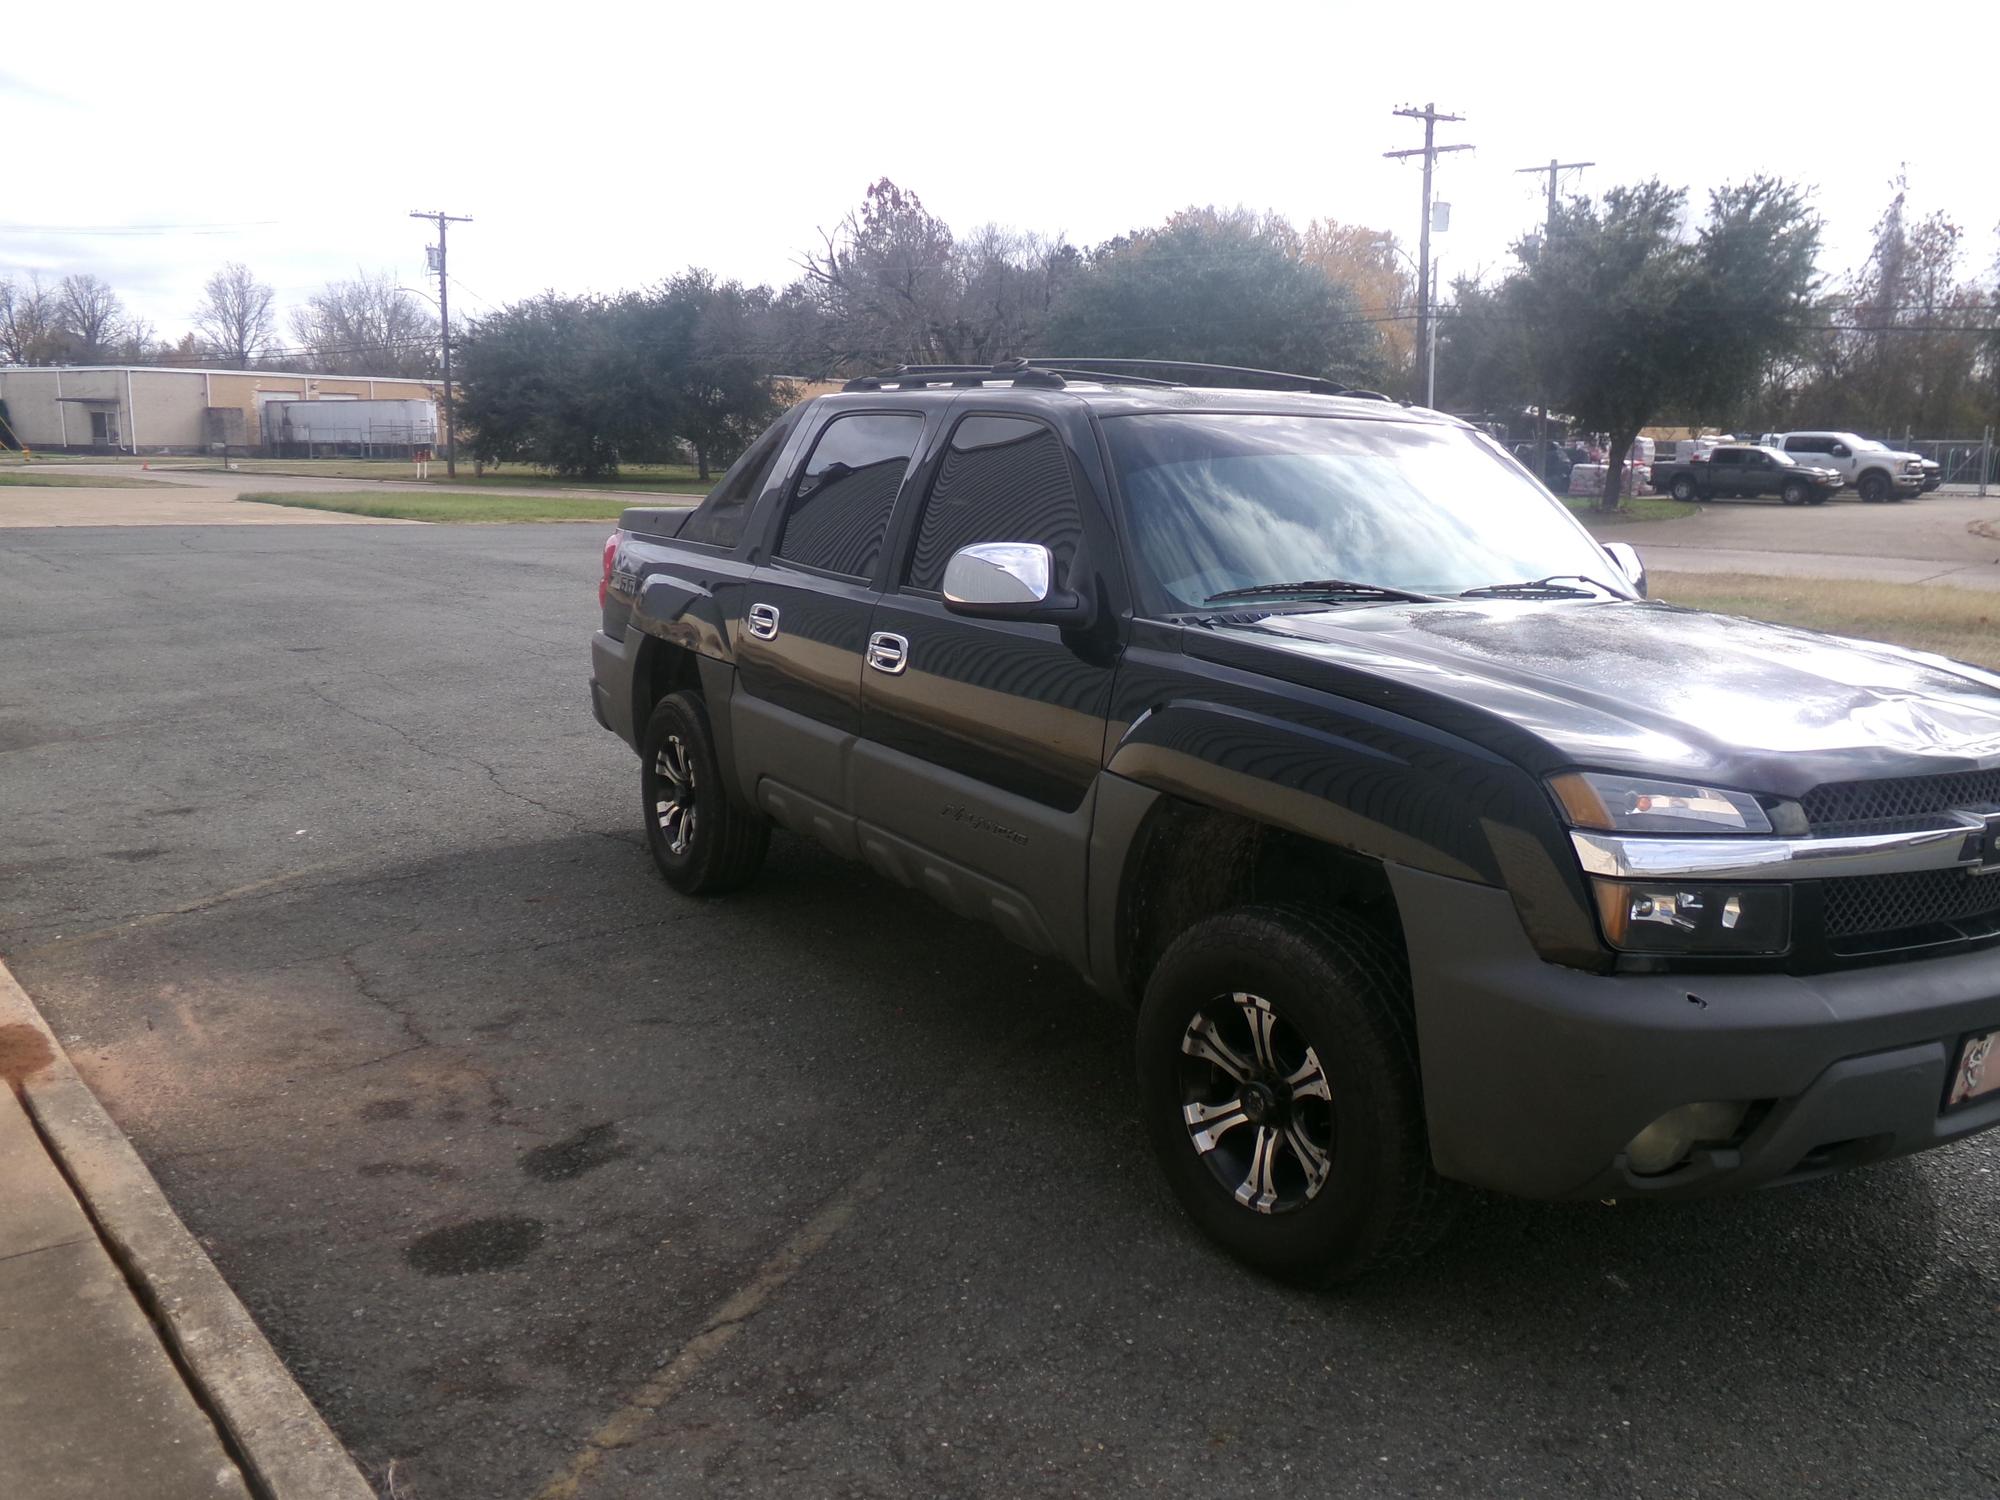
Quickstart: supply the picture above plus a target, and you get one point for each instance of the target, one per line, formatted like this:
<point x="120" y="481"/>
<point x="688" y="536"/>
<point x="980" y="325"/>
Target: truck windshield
<point x="1222" y="501"/>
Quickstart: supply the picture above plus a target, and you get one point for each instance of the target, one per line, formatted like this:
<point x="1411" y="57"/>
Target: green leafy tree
<point x="1218" y="287"/>
<point x="529" y="388"/>
<point x="1628" y="322"/>
<point x="580" y="385"/>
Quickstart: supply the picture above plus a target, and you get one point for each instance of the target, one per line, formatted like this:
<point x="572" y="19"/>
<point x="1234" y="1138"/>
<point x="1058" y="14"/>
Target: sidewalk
<point x="127" y="1367"/>
<point x="90" y="1403"/>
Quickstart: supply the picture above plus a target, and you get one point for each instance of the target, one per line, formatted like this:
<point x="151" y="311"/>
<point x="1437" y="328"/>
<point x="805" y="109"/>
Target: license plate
<point x="1978" y="1069"/>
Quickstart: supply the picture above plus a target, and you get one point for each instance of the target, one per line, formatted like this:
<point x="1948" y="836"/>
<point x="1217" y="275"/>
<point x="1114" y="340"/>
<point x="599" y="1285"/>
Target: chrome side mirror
<point x="1010" y="581"/>
<point x="1627" y="557"/>
<point x="998" y="573"/>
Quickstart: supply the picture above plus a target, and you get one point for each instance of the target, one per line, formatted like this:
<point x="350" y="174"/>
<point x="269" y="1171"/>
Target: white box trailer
<point x="366" y="428"/>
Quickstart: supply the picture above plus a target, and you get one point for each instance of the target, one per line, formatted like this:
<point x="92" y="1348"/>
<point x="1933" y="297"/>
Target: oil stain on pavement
<point x="460" y="1249"/>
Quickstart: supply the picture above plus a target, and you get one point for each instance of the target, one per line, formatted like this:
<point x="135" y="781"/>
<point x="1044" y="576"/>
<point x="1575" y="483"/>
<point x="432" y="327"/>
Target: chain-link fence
<point x="1970" y="462"/>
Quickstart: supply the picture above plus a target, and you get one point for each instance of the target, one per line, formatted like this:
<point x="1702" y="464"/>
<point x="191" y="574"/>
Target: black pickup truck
<point x="1429" y="851"/>
<point x="1747" y="472"/>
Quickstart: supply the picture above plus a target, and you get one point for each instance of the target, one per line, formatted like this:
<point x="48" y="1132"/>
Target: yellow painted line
<point x="630" y="1421"/>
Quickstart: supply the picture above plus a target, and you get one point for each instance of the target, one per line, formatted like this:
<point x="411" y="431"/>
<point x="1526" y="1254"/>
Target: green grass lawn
<point x="1926" y="617"/>
<point x="41" y="479"/>
<point x="1637" y="508"/>
<point x="448" y="505"/>
<point x="672" y="478"/>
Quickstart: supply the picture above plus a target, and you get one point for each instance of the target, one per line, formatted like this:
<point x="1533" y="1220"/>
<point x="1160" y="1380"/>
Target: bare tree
<point x="90" y="317"/>
<point x="29" y="332"/>
<point x="235" y="321"/>
<point x="367" y="326"/>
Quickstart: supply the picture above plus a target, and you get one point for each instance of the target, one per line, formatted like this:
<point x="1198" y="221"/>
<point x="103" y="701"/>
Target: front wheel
<point x="1874" y="488"/>
<point x="1278" y="1080"/>
<point x="702" y="842"/>
<point x="1797" y="492"/>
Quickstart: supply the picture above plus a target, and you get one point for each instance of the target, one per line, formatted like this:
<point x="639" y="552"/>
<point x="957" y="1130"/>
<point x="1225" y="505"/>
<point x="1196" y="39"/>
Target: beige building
<point x="154" y="409"/>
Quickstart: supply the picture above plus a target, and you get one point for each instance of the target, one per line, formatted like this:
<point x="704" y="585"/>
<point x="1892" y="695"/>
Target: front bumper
<point x="1536" y="1076"/>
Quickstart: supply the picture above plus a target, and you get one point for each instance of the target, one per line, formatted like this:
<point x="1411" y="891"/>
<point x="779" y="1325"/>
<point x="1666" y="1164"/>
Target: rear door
<point x="804" y="625"/>
<point x="982" y="739"/>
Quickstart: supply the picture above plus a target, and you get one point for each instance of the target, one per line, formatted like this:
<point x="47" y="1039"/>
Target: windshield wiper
<point x="1332" y="588"/>
<point x="1549" y="587"/>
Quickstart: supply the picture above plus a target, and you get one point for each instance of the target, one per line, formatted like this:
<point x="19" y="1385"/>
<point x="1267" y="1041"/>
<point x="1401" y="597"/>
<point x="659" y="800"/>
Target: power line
<point x="1429" y="151"/>
<point x="444" y="325"/>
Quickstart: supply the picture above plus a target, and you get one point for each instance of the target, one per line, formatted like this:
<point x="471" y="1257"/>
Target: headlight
<point x="1611" y="803"/>
<point x="1666" y="917"/>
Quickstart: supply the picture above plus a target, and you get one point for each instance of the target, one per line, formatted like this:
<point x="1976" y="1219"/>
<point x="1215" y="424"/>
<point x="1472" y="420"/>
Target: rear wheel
<point x="702" y="842"/>
<point x="1684" y="490"/>
<point x="1278" y="1079"/>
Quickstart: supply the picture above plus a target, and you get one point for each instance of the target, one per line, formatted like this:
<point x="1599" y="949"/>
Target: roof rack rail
<point x="1055" y="372"/>
<point x="1191" y="372"/>
<point x="905" y="377"/>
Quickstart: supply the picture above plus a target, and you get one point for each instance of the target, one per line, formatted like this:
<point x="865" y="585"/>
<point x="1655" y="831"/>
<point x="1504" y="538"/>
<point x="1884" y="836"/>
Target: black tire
<point x="1874" y="487"/>
<point x="1818" y="497"/>
<point x="1337" y="995"/>
<point x="1683" y="488"/>
<point x="1796" y="492"/>
<point x="703" y="843"/>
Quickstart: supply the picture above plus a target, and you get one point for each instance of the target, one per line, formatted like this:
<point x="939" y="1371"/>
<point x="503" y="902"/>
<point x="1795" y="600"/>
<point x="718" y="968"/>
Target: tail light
<point x="610" y="557"/>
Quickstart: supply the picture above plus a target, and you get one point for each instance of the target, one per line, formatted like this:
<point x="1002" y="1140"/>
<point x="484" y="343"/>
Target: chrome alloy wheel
<point x="674" y="807"/>
<point x="1257" y="1104"/>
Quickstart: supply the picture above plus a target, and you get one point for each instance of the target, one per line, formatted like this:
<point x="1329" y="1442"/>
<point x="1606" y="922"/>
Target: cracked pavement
<point x="545" y="1180"/>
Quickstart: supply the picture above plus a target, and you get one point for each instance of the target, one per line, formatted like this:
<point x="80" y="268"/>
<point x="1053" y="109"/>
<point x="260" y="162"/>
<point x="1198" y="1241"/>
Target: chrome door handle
<point x="763" y="621"/>
<point x="888" y="653"/>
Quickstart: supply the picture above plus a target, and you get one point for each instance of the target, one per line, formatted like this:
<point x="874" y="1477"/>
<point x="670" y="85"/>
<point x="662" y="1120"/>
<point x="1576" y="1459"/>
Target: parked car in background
<point x="1549" y="462"/>
<point x="1877" y="471"/>
<point x="1741" y="472"/>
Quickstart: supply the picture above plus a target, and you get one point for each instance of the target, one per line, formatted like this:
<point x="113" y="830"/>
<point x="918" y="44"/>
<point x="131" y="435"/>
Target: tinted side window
<point x="1003" y="479"/>
<point x="1726" y="456"/>
<point x="1806" y="445"/>
<point x="719" y="519"/>
<point x="840" y="510"/>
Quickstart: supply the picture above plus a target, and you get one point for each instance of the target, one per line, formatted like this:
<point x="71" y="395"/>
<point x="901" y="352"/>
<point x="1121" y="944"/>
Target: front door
<point x="981" y="739"/>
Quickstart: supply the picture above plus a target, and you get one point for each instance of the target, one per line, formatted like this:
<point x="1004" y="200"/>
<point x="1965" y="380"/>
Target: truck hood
<point x="1628" y="685"/>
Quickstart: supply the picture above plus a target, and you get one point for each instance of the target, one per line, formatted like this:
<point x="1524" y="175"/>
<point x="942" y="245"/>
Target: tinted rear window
<point x="840" y="511"/>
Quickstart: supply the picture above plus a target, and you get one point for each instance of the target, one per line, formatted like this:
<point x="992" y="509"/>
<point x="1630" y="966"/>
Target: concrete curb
<point x="286" y="1449"/>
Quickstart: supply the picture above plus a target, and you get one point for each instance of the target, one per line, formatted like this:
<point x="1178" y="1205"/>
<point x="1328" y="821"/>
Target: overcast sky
<point x="604" y="146"/>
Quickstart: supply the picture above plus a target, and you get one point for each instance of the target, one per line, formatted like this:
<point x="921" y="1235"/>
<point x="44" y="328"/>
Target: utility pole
<point x="444" y="327"/>
<point x="1554" y="169"/>
<point x="1429" y="151"/>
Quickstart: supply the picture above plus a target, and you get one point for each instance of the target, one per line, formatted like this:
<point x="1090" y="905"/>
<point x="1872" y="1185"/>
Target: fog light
<point x="1665" y="1144"/>
<point x="1653" y="918"/>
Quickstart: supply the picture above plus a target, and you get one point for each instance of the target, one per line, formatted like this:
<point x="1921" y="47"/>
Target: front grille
<point x="1957" y="902"/>
<point x="1845" y="802"/>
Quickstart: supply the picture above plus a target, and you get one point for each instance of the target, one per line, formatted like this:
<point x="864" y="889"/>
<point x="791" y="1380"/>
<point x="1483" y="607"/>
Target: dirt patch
<point x="1988" y="529"/>
<point x="24" y="1051"/>
<point x="475" y="1245"/>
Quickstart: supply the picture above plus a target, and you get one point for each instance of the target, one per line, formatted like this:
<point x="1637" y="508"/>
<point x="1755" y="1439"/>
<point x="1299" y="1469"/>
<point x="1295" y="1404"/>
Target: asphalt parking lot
<point x="545" y="1180"/>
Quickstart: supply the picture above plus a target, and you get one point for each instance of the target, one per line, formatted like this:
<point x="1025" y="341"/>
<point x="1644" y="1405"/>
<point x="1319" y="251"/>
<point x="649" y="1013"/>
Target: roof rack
<point x="1055" y="372"/>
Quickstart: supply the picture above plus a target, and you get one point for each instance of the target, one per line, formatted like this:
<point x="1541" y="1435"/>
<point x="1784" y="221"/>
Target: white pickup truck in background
<point x="1876" y="471"/>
